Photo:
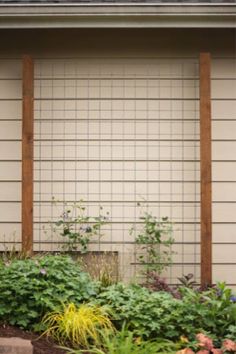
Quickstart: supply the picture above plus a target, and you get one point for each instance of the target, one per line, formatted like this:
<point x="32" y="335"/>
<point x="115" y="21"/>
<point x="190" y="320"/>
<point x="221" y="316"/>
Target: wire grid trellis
<point x="113" y="133"/>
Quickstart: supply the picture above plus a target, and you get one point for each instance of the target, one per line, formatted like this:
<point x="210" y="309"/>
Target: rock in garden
<point x="15" y="346"/>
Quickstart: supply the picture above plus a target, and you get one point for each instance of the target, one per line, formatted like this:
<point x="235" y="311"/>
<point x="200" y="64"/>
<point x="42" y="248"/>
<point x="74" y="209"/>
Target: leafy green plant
<point x="231" y="332"/>
<point x="147" y="314"/>
<point x="29" y="288"/>
<point x="212" y="310"/>
<point x="124" y="342"/>
<point x="77" y="228"/>
<point x="155" y="241"/>
<point x="80" y="326"/>
<point x="159" y="314"/>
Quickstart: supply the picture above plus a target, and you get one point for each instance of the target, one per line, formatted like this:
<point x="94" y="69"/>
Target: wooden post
<point x="205" y="166"/>
<point x="27" y="154"/>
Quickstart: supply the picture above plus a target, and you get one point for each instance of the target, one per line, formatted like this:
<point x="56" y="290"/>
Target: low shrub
<point x="29" y="288"/>
<point x="78" y="326"/>
<point x="212" y="311"/>
<point x="147" y="314"/>
<point x="158" y="314"/>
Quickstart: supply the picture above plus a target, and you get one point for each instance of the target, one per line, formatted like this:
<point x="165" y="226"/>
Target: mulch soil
<point x="41" y="345"/>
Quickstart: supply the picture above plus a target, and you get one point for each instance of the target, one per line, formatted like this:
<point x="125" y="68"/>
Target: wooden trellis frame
<point x="27" y="154"/>
<point x="205" y="166"/>
<point x="205" y="158"/>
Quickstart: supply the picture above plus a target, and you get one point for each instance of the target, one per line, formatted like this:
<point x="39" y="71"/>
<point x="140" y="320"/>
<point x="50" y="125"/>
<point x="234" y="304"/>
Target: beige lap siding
<point x="10" y="152"/>
<point x="111" y="132"/>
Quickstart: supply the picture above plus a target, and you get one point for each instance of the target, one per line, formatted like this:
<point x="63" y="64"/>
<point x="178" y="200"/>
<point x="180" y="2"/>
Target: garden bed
<point x="41" y="345"/>
<point x="52" y="294"/>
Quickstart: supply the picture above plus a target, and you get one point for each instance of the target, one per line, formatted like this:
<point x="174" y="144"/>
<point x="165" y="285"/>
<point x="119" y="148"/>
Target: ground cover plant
<point x="124" y="341"/>
<point x="31" y="287"/>
<point x="159" y="314"/>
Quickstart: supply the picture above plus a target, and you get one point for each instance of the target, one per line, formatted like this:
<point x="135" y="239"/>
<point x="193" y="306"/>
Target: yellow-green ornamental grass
<point x="79" y="326"/>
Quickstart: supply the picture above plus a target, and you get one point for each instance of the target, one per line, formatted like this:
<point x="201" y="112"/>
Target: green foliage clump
<point x="147" y="314"/>
<point x="211" y="311"/>
<point x="125" y="342"/>
<point x="29" y="288"/>
<point x="158" y="314"/>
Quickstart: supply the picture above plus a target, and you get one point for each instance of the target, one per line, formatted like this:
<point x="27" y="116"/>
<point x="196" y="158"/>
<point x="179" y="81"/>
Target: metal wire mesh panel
<point x="115" y="133"/>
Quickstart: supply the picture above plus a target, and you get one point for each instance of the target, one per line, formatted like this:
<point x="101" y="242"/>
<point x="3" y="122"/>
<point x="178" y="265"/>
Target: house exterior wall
<point x="147" y="65"/>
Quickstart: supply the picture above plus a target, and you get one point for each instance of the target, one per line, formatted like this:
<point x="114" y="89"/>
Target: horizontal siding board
<point x="10" y="110"/>
<point x="10" y="150"/>
<point x="10" y="230"/>
<point x="131" y="109"/>
<point x="224" y="130"/>
<point x="116" y="89"/>
<point x="224" y="109"/>
<point x="90" y="67"/>
<point x="10" y="171"/>
<point x="224" y="233"/>
<point x="224" y="192"/>
<point x="10" y="212"/>
<point x="114" y="233"/>
<point x="223" y="68"/>
<point x="10" y="130"/>
<point x="125" y="191"/>
<point x="224" y="171"/>
<point x="224" y="89"/>
<point x="117" y="109"/>
<point x="220" y="252"/>
<point x="224" y="150"/>
<point x="117" y="171"/>
<point x="118" y="150"/>
<point x="10" y="89"/>
<point x="224" y="212"/>
<point x="10" y="69"/>
<point x="10" y="191"/>
<point x="121" y="211"/>
<point x="224" y="272"/>
<point x="92" y="2"/>
<point x="105" y="130"/>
